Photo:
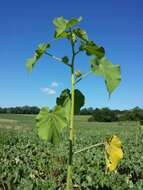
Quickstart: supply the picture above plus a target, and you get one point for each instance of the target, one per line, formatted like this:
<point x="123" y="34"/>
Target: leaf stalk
<point x="88" y="148"/>
<point x="57" y="58"/>
<point x="83" y="76"/>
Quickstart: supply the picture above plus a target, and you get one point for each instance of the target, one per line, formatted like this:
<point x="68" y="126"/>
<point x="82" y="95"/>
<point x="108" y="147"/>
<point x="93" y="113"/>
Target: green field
<point x="28" y="163"/>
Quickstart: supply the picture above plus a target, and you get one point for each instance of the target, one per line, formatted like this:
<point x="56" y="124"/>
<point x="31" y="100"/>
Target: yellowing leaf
<point x="114" y="153"/>
<point x="116" y="141"/>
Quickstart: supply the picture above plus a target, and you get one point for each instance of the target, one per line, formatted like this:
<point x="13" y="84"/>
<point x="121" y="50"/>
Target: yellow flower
<point x="114" y="153"/>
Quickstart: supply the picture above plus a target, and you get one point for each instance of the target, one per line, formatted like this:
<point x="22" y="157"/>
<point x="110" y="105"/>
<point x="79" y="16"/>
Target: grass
<point x="17" y="121"/>
<point x="28" y="163"/>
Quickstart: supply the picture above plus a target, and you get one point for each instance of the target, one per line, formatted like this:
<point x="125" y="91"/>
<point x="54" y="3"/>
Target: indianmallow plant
<point x="50" y="123"/>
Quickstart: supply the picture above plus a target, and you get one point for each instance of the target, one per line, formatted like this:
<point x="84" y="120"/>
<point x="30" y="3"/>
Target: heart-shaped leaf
<point x="50" y="123"/>
<point x="110" y="72"/>
<point x="65" y="96"/>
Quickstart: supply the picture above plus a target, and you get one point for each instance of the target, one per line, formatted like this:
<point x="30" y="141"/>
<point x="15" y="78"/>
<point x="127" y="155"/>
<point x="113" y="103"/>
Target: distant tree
<point x="90" y="110"/>
<point x="86" y="111"/>
<point x="141" y="122"/>
<point x="103" y="115"/>
<point x="135" y="114"/>
<point x="83" y="111"/>
<point x="20" y="110"/>
<point x="1" y="110"/>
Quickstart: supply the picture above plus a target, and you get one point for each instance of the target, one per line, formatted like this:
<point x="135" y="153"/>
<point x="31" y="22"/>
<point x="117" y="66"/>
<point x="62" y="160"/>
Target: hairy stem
<point x="89" y="147"/>
<point x="71" y="136"/>
<point x="57" y="58"/>
<point x="77" y="52"/>
<point x="83" y="76"/>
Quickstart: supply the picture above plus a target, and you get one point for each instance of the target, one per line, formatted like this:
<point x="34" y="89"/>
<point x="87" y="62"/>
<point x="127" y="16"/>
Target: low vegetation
<point x="28" y="163"/>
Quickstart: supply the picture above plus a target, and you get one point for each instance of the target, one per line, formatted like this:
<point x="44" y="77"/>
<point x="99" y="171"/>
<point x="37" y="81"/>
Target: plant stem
<point x="71" y="137"/>
<point x="83" y="76"/>
<point x="56" y="58"/>
<point x="89" y="147"/>
<point x="77" y="52"/>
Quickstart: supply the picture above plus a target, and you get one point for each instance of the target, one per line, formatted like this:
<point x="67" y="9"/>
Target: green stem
<point x="89" y="147"/>
<point x="54" y="57"/>
<point x="78" y="52"/>
<point x="83" y="76"/>
<point x="57" y="58"/>
<point x="71" y="136"/>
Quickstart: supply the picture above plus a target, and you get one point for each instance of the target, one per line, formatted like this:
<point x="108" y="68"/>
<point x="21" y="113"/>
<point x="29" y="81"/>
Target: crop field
<point x="29" y="163"/>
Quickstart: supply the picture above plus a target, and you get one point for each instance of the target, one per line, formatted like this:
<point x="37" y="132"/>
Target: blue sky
<point x="117" y="25"/>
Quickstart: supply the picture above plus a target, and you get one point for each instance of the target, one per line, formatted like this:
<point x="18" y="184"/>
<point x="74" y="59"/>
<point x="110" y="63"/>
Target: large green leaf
<point x="78" y="102"/>
<point x="50" y="123"/>
<point x="65" y="98"/>
<point x="110" y="72"/>
<point x="92" y="49"/>
<point x="67" y="107"/>
<point x="63" y="24"/>
<point x="37" y="55"/>
<point x="81" y="34"/>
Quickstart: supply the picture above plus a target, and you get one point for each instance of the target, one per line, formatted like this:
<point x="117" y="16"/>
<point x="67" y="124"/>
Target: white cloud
<point x="54" y="84"/>
<point x="51" y="90"/>
<point x="48" y="91"/>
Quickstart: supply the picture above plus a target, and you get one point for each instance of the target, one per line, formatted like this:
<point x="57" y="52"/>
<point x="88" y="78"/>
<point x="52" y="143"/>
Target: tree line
<point x="108" y="115"/>
<point x="20" y="110"/>
<point x="100" y="115"/>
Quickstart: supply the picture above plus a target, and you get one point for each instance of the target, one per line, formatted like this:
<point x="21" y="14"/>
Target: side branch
<point x="57" y="58"/>
<point x="77" y="52"/>
<point x="89" y="147"/>
<point x="83" y="76"/>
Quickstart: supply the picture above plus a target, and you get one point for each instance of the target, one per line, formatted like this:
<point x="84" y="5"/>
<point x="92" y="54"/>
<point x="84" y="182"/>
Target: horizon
<point x="115" y="25"/>
<point x="80" y="109"/>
